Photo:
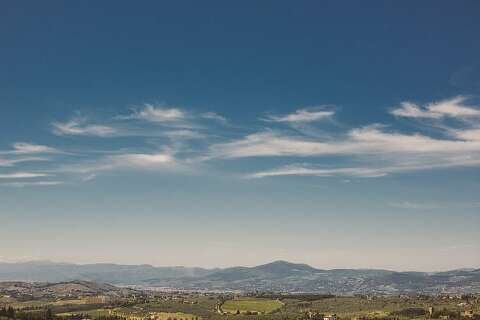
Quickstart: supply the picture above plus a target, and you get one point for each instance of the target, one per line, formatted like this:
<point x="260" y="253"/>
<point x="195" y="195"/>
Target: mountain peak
<point x="281" y="266"/>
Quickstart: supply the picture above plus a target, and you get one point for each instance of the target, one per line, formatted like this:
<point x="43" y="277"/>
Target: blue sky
<point x="336" y="133"/>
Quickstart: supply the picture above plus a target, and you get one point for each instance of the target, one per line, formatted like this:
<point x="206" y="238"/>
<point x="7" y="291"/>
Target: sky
<point x="342" y="134"/>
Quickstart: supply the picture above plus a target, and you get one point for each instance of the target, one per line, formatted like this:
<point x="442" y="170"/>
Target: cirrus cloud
<point x="22" y="175"/>
<point x="156" y="113"/>
<point x="78" y="127"/>
<point x="454" y="108"/>
<point x="302" y="115"/>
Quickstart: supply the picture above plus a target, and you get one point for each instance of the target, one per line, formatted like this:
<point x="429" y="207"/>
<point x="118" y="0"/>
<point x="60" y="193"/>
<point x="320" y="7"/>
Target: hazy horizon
<point x="28" y="260"/>
<point x="214" y="134"/>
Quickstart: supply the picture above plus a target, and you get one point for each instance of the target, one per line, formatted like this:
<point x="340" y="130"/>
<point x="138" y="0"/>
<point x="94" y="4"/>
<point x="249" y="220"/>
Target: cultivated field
<point x="131" y="314"/>
<point x="49" y="303"/>
<point x="251" y="305"/>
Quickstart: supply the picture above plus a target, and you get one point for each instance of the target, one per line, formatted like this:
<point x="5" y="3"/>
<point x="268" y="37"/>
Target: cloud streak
<point x="22" y="175"/>
<point x="368" y="140"/>
<point x="28" y="148"/>
<point x="214" y="116"/>
<point x="157" y="113"/>
<point x="302" y="115"/>
<point x="160" y="161"/>
<point x="11" y="162"/>
<point x="31" y="184"/>
<point x="454" y="108"/>
<point x="78" y="127"/>
<point x="302" y="170"/>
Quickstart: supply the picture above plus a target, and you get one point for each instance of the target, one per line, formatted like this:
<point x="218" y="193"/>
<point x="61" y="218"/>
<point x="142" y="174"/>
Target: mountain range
<point x="279" y="276"/>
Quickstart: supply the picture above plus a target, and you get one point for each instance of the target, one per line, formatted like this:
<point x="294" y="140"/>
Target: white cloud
<point x="263" y="144"/>
<point x="25" y="148"/>
<point x="301" y="170"/>
<point x="368" y="151"/>
<point x="142" y="160"/>
<point x="376" y="149"/>
<point x="411" y="110"/>
<point x="77" y="126"/>
<point x="22" y="149"/>
<point x="454" y="108"/>
<point x="22" y="175"/>
<point x="302" y="115"/>
<point x="156" y="161"/>
<point x="12" y="161"/>
<point x="366" y="140"/>
<point x="31" y="184"/>
<point x="184" y="134"/>
<point x="214" y="116"/>
<point x="157" y="113"/>
<point x="466" y="135"/>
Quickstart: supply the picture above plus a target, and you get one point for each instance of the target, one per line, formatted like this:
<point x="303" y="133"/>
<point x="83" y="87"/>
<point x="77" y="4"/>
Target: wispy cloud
<point x="28" y="148"/>
<point x="214" y="116"/>
<point x="361" y="141"/>
<point x="13" y="161"/>
<point x="466" y="135"/>
<point x="78" y="126"/>
<point x="454" y="108"/>
<point x="261" y="144"/>
<point x="31" y="184"/>
<point x="24" y="148"/>
<point x="156" y="113"/>
<point x="161" y="161"/>
<point x="143" y="160"/>
<point x="376" y="149"/>
<point x="302" y="170"/>
<point x="25" y="152"/>
<point x="174" y="139"/>
<point x="22" y="175"/>
<point x="302" y="115"/>
<point x="184" y="134"/>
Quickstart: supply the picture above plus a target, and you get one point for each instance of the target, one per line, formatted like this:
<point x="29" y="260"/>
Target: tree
<point x="11" y="312"/>
<point x="49" y="314"/>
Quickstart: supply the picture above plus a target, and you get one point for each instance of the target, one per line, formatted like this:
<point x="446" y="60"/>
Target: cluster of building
<point x="469" y="313"/>
<point x="314" y="315"/>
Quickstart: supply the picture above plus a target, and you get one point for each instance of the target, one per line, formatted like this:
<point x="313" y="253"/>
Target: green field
<point x="174" y="316"/>
<point x="93" y="313"/>
<point x="251" y="305"/>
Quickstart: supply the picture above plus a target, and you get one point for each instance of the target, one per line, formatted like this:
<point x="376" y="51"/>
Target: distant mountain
<point x="99" y="272"/>
<point x="275" y="276"/>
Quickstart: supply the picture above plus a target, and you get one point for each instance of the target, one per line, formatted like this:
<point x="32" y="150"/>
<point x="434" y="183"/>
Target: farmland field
<point x="92" y="313"/>
<point x="130" y="314"/>
<point x="45" y="303"/>
<point x="251" y="304"/>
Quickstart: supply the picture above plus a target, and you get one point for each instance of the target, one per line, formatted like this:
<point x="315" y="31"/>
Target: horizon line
<point x="227" y="267"/>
